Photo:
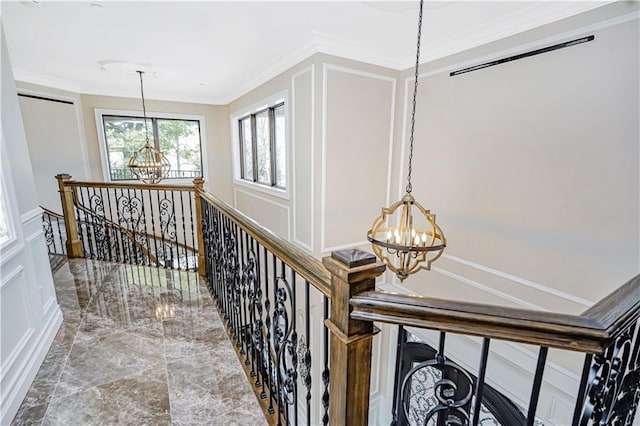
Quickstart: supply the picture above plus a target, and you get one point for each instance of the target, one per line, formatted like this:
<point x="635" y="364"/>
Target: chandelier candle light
<point x="148" y="164"/>
<point x="405" y="242"/>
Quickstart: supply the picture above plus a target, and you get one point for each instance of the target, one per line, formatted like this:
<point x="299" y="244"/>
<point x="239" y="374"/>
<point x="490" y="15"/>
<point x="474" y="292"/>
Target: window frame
<point x="104" y="154"/>
<point x="237" y="129"/>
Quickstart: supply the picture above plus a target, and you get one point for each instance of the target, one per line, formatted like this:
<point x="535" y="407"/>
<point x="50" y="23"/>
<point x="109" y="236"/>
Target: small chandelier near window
<point x="148" y="164"/>
<point x="405" y="235"/>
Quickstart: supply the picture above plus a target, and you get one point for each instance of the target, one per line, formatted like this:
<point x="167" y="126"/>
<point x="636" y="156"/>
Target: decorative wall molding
<point x="498" y="293"/>
<point x="266" y="200"/>
<point x="310" y="69"/>
<point x="521" y="281"/>
<point x="323" y="178"/>
<point x="30" y="216"/>
<point x="33" y="357"/>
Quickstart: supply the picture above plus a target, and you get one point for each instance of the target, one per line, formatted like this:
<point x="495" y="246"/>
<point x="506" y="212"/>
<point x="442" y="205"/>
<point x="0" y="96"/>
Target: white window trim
<point x="104" y="157"/>
<point x="270" y="101"/>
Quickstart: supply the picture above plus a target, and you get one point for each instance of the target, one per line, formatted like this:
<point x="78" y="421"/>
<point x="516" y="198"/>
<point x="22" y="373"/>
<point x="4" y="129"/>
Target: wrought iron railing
<point x="54" y="232"/>
<point x="274" y="299"/>
<point x="607" y="333"/>
<point x="151" y="225"/>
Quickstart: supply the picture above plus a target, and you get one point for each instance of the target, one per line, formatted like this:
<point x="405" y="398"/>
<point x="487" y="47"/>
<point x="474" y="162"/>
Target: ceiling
<point x="214" y="51"/>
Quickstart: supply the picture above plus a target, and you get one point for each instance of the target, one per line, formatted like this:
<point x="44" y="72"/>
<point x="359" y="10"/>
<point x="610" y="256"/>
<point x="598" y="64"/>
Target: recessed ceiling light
<point x="97" y="5"/>
<point x="125" y="67"/>
<point x="202" y="84"/>
<point x="31" y="3"/>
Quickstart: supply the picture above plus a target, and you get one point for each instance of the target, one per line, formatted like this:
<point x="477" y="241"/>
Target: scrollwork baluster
<point x="613" y="386"/>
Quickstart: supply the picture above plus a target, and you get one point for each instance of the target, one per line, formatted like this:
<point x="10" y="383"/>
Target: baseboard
<point x="13" y="394"/>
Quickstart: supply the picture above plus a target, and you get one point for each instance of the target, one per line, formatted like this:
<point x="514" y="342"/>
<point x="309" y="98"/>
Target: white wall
<point x="30" y="316"/>
<point x="55" y="137"/>
<point x="533" y="170"/>
<point x="531" y="167"/>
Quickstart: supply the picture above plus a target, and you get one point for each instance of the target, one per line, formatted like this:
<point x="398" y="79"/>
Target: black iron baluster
<point x="537" y="384"/>
<point x="441" y="417"/>
<point x="293" y="348"/>
<point x="153" y="229"/>
<point x="162" y="260"/>
<point x="259" y="333"/>
<point x="194" y="244"/>
<point x="63" y="248"/>
<point x="87" y="222"/>
<point x="584" y="380"/>
<point x="278" y="389"/>
<point x="176" y="239"/>
<point x="146" y="231"/>
<point x="268" y="324"/>
<point x="480" y="381"/>
<point x="184" y="235"/>
<point x="402" y="336"/>
<point x="112" y="228"/>
<point x="325" y="371"/>
<point x="306" y="351"/>
<point x="242" y="293"/>
<point x="236" y="286"/>
<point x="105" y="224"/>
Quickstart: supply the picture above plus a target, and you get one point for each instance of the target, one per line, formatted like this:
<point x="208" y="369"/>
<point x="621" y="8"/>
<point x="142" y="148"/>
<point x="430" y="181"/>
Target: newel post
<point x="74" y="245"/>
<point x="198" y="184"/>
<point x="352" y="272"/>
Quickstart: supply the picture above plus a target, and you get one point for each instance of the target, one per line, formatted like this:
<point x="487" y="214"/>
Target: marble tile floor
<point x="138" y="346"/>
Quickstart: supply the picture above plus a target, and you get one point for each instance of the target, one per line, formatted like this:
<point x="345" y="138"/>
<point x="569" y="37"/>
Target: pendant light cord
<point x="415" y="93"/>
<point x="144" y="110"/>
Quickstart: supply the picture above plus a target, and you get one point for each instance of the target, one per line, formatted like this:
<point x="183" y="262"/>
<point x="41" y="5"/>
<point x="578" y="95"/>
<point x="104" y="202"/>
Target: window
<point x="262" y="140"/>
<point x="179" y="139"/>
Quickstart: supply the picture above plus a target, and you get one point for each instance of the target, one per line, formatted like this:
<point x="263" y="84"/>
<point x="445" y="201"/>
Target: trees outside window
<point x="262" y="138"/>
<point x="178" y="139"/>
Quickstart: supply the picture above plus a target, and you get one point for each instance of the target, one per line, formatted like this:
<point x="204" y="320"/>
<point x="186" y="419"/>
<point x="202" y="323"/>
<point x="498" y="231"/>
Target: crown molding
<point x="536" y="15"/>
<point x="45" y="80"/>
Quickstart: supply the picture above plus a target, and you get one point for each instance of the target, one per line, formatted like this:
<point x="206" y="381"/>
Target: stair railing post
<point x="198" y="184"/>
<point x="74" y="245"/>
<point x="352" y="272"/>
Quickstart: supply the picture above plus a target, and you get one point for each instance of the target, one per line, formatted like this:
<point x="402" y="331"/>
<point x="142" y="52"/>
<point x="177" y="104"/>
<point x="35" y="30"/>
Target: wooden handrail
<point x="52" y="213"/>
<point x="307" y="266"/>
<point x="591" y="332"/>
<point x="163" y="187"/>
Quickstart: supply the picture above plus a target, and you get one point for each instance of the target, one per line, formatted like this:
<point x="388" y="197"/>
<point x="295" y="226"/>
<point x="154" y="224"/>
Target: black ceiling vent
<point x="524" y="55"/>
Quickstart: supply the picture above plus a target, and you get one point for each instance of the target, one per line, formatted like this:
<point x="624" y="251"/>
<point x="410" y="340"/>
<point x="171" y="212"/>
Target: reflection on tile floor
<point x="138" y="345"/>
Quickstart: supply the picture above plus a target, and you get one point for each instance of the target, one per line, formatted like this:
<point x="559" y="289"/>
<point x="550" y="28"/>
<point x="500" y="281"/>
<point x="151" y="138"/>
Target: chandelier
<point x="405" y="236"/>
<point x="148" y="164"/>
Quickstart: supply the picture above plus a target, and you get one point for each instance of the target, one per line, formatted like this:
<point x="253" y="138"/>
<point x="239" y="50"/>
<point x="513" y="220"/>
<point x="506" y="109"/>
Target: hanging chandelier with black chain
<point x="405" y="236"/>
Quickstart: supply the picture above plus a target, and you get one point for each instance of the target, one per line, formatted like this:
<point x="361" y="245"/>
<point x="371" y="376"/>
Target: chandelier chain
<point x="144" y="109"/>
<point x="415" y="94"/>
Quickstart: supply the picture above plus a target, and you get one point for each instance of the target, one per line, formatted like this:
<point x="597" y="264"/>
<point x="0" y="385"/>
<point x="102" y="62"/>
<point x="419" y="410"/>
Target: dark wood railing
<point x="303" y="328"/>
<point x="607" y="333"/>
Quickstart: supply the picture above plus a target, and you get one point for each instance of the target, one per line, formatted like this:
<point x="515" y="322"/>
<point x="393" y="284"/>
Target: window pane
<point x="281" y="163"/>
<point x="264" y="147"/>
<point x="180" y="143"/>
<point x="247" y="151"/>
<point x="123" y="136"/>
